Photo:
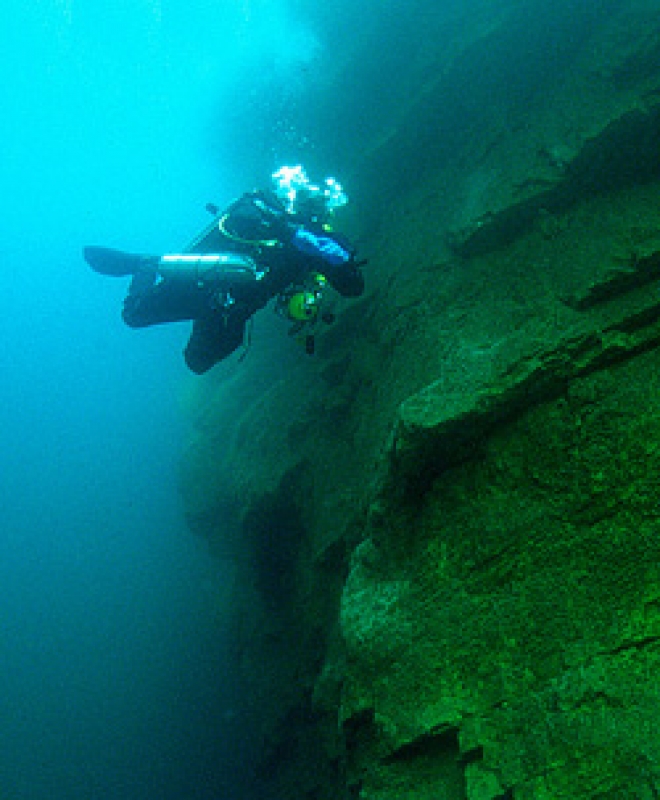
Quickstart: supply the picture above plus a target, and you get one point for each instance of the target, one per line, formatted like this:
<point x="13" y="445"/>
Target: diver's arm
<point x="332" y="256"/>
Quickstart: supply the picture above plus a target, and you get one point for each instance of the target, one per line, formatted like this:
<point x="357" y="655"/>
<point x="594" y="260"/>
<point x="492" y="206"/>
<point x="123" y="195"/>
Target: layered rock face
<point x="449" y="540"/>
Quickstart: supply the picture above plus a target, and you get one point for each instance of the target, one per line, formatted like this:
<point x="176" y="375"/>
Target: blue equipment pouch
<point x="321" y="245"/>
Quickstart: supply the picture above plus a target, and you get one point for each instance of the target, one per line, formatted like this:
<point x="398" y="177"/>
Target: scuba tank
<point x="229" y="268"/>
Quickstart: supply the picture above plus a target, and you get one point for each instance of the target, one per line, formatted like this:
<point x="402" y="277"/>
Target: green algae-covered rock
<point x="518" y="607"/>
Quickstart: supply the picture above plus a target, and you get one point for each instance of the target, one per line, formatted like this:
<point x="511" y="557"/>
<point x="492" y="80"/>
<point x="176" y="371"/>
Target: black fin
<point x="116" y="263"/>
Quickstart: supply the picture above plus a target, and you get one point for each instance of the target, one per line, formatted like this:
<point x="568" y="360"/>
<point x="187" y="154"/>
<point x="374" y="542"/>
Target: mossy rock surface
<point x="519" y="604"/>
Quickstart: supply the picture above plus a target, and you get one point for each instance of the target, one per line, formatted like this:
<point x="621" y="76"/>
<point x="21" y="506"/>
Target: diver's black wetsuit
<point x="256" y="225"/>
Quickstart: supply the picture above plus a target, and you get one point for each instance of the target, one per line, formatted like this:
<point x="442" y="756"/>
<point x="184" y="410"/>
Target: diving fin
<point x="115" y="263"/>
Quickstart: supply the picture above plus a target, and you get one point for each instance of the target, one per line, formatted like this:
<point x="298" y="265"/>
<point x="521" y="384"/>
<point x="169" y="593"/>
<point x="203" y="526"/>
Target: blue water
<point x="114" y="678"/>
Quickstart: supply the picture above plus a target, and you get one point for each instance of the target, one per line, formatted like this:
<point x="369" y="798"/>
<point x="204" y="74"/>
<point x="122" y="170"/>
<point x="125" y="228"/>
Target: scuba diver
<point x="267" y="244"/>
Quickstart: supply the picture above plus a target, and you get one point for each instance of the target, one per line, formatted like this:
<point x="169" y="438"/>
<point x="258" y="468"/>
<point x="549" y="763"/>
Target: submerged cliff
<point x="446" y="523"/>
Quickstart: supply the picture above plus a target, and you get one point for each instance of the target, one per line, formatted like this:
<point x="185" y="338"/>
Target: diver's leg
<point x="213" y="338"/>
<point x="151" y="301"/>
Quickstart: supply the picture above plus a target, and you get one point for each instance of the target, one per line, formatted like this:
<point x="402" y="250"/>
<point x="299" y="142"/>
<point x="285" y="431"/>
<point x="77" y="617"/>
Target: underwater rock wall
<point x="499" y="622"/>
<point x="502" y="629"/>
<point x="448" y="542"/>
